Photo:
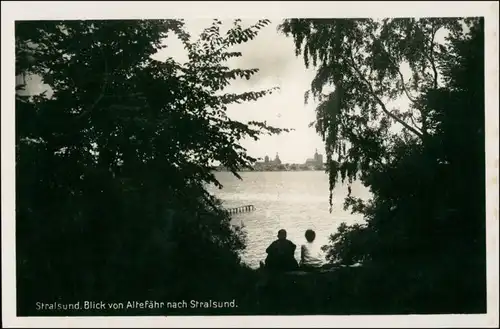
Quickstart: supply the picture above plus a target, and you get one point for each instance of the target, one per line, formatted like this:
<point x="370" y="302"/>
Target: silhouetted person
<point x="311" y="255"/>
<point x="281" y="254"/>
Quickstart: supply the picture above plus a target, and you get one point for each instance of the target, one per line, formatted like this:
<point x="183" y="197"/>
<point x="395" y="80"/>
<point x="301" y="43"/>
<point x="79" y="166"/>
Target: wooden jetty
<point x="241" y="209"/>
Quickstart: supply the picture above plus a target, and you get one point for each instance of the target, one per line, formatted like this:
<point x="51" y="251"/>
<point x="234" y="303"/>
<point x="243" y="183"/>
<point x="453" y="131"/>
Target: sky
<point x="274" y="55"/>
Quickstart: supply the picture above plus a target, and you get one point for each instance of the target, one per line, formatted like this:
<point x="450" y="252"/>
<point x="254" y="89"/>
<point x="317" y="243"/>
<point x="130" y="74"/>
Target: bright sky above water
<point x="274" y="55"/>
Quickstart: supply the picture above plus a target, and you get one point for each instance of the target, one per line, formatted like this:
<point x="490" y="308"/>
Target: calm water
<point x="294" y="201"/>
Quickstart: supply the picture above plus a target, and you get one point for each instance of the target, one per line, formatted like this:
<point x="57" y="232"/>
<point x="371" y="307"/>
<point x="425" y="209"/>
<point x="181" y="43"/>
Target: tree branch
<point x="411" y="118"/>
<point x="411" y="98"/>
<point x="404" y="87"/>
<point x="379" y="101"/>
<point x="430" y="58"/>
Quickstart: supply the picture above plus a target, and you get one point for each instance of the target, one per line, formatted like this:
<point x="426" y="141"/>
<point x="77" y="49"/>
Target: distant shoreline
<point x="278" y="168"/>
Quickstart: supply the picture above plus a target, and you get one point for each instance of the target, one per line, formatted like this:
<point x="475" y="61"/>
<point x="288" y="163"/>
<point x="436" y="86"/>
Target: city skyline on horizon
<point x="277" y="154"/>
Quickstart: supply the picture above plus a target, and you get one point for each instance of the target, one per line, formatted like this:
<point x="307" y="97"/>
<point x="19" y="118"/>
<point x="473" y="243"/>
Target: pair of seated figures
<point x="281" y="254"/>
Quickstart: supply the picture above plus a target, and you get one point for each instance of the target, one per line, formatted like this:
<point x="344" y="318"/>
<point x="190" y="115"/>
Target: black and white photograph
<point x="243" y="161"/>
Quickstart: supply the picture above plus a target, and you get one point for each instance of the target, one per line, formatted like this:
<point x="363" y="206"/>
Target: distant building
<point x="318" y="157"/>
<point x="268" y="163"/>
<point x="316" y="161"/>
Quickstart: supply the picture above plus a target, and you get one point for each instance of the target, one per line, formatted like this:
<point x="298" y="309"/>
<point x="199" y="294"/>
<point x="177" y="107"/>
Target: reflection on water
<point x="294" y="201"/>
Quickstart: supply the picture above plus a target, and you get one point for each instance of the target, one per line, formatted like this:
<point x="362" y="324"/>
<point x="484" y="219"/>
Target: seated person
<point x="281" y="254"/>
<point x="311" y="255"/>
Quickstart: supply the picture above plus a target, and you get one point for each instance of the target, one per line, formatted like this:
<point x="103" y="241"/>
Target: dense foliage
<point x="424" y="236"/>
<point x="112" y="162"/>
